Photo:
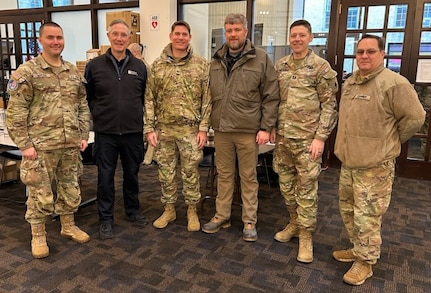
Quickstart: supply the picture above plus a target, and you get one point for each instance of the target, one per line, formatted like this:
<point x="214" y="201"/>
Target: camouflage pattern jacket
<point x="246" y="99"/>
<point x="377" y="114"/>
<point x="47" y="111"/>
<point x="308" y="107"/>
<point x="178" y="92"/>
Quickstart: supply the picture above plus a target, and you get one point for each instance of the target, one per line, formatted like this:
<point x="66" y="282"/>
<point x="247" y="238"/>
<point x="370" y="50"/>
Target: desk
<point x="263" y="149"/>
<point x="6" y="141"/>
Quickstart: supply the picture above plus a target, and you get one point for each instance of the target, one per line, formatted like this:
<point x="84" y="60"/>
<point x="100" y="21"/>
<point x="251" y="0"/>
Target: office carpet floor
<point x="145" y="259"/>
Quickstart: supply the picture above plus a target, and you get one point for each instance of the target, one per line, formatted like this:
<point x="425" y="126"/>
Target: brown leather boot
<point x="305" y="251"/>
<point x="39" y="247"/>
<point x="168" y="215"/>
<point x="192" y="219"/>
<point x="71" y="231"/>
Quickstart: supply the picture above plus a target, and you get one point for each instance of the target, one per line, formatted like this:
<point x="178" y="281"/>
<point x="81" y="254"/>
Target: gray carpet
<point x="144" y="259"/>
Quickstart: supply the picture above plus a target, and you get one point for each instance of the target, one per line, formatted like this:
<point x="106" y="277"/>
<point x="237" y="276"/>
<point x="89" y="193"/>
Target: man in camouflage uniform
<point x="177" y="111"/>
<point x="48" y="119"/>
<point x="306" y="117"/>
<point x="379" y="110"/>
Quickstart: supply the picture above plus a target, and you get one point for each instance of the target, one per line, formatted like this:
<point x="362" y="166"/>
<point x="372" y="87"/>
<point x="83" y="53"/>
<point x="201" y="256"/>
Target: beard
<point x="236" y="45"/>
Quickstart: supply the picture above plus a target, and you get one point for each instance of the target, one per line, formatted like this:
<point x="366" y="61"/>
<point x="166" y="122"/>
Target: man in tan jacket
<point x="379" y="110"/>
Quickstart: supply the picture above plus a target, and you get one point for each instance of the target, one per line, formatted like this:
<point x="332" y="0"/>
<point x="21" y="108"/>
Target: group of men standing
<point x="246" y="99"/>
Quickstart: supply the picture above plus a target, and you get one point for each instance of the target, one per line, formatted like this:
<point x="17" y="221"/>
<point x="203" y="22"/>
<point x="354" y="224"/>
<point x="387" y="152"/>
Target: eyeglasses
<point x="369" y="52"/>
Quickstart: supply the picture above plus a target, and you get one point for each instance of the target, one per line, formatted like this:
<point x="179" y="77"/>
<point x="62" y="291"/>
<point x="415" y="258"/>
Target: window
<point x="352" y="18"/>
<point x="30" y="4"/>
<point x="426" y="22"/>
<point x="401" y="15"/>
<point x="327" y="14"/>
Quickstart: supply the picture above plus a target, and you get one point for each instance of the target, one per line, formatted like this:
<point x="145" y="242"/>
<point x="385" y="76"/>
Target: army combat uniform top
<point x="47" y="110"/>
<point x="178" y="92"/>
<point x="308" y="107"/>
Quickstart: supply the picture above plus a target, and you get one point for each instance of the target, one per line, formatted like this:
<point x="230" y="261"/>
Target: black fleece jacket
<point x="115" y="93"/>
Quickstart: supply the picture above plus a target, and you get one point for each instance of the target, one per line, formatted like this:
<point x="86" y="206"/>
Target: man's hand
<point x="262" y="137"/>
<point x="29" y="153"/>
<point x="201" y="139"/>
<point x="83" y="146"/>
<point x="152" y="138"/>
<point x="316" y="148"/>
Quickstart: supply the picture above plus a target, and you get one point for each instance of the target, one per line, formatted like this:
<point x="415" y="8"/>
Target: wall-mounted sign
<point x="154" y="25"/>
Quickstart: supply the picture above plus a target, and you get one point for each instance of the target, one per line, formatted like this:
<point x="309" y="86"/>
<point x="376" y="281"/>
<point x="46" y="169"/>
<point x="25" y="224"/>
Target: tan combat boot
<point x="192" y="219"/>
<point x="358" y="273"/>
<point x="291" y="230"/>
<point x="345" y="255"/>
<point x="71" y="231"/>
<point x="39" y="247"/>
<point x="168" y="215"/>
<point x="305" y="251"/>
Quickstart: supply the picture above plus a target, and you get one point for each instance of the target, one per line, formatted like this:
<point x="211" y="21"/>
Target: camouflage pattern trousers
<point x="62" y="166"/>
<point x="364" y="197"/>
<point x="298" y="174"/>
<point x="179" y="142"/>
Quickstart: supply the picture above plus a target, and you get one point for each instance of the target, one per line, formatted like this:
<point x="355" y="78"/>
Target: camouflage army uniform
<point x="377" y="114"/>
<point x="48" y="110"/>
<point x="177" y="106"/>
<point x="307" y="111"/>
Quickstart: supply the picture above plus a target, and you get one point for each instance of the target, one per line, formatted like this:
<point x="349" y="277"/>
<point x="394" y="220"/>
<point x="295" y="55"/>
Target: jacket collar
<point x="45" y="65"/>
<point x="357" y="79"/>
<point x="169" y="56"/>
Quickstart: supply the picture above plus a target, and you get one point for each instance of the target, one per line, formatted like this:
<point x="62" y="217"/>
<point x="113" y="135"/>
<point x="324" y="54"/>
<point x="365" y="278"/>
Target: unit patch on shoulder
<point x="12" y="85"/>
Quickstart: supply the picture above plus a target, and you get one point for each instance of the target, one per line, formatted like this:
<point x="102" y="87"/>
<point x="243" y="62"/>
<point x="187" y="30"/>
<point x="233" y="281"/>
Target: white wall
<point x="155" y="40"/>
<point x="77" y="34"/>
<point x="8" y="4"/>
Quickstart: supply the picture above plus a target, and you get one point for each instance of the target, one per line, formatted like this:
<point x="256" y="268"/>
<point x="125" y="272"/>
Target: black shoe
<point x="105" y="231"/>
<point x="138" y="219"/>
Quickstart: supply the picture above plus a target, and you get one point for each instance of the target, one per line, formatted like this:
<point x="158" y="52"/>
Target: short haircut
<point x="380" y="40"/>
<point x="118" y="21"/>
<point x="48" y="23"/>
<point x="181" y="23"/>
<point x="302" y="22"/>
<point x="234" y="18"/>
<point x="135" y="47"/>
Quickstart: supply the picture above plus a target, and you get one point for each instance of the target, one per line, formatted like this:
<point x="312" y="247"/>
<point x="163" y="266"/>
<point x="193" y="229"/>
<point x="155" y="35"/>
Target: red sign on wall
<point x="154" y="25"/>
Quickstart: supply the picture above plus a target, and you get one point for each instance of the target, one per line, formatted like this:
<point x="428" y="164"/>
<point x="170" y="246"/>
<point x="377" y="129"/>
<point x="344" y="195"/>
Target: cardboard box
<point x="92" y="53"/>
<point x="131" y="18"/>
<point x="81" y="66"/>
<point x="10" y="172"/>
<point x="135" y="38"/>
<point x="104" y="48"/>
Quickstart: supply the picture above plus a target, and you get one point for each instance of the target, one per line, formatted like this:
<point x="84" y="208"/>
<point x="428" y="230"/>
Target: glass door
<point x="18" y="38"/>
